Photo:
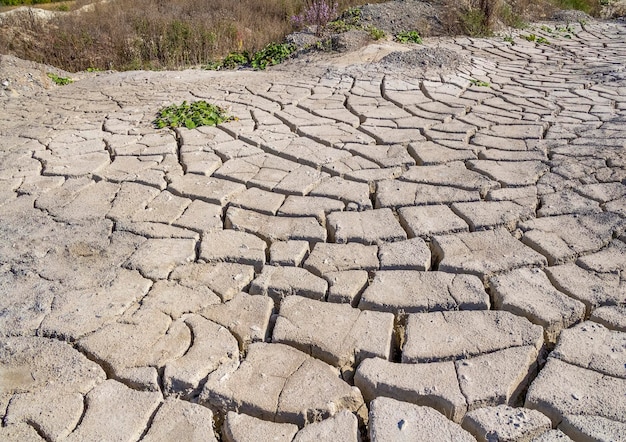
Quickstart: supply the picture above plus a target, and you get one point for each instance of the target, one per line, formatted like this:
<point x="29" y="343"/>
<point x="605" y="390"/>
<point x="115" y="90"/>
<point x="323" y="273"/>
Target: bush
<point x="316" y="13"/>
<point x="190" y="115"/>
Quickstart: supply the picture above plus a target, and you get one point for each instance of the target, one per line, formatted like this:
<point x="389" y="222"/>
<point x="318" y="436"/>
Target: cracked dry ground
<point x="362" y="254"/>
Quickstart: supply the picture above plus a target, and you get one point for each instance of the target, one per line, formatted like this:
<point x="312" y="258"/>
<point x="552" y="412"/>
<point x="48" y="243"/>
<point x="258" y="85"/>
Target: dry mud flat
<point x="371" y="250"/>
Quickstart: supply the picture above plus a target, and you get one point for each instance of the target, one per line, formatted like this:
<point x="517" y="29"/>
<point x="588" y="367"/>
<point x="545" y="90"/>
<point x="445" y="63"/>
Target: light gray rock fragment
<point x="243" y="428"/>
<point x="504" y="423"/>
<point x="327" y="257"/>
<point x="412" y="254"/>
<point x="346" y="287"/>
<point x="247" y="317"/>
<point x="182" y="420"/>
<point x="370" y="227"/>
<point x="496" y="378"/>
<point x="411" y="291"/>
<point x="403" y="422"/>
<point x="212" y="347"/>
<point x="612" y="317"/>
<point x="225" y="279"/>
<point x="433" y="385"/>
<point x="593" y="428"/>
<point x="269" y="385"/>
<point x="288" y="253"/>
<point x="156" y="258"/>
<point x="483" y="253"/>
<point x="335" y="333"/>
<point x="275" y="228"/>
<point x="110" y="402"/>
<point x="563" y="389"/>
<point x="233" y="246"/>
<point x="441" y="336"/>
<point x="281" y="282"/>
<point x="427" y="221"/>
<point x="343" y="426"/>
<point x="594" y="347"/>
<point x="528" y="293"/>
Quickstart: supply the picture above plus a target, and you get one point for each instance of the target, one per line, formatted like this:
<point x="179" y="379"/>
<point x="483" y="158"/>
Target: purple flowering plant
<point x="317" y="13"/>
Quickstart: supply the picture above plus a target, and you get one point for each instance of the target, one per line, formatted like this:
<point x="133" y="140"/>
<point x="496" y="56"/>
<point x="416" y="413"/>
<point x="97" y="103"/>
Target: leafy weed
<point x="60" y="81"/>
<point x="191" y="115"/>
<point x="409" y="37"/>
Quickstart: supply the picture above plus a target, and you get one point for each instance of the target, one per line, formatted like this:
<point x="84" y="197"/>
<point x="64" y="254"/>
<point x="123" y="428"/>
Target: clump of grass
<point x="408" y="37"/>
<point x="59" y="81"/>
<point x="191" y="115"/>
<point x="376" y="33"/>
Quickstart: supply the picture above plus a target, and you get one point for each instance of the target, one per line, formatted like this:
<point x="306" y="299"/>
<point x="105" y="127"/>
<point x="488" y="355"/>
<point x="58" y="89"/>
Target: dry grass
<point x="153" y="34"/>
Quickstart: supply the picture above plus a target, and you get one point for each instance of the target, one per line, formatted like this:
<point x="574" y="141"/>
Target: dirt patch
<point x="425" y="59"/>
<point x="405" y="15"/>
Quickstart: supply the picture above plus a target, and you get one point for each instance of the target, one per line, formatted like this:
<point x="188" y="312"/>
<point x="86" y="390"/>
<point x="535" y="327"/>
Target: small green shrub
<point x="530" y="37"/>
<point x="60" y="81"/>
<point x="191" y="115"/>
<point x="376" y="33"/>
<point x="509" y="39"/>
<point x="409" y="37"/>
<point x="479" y="83"/>
<point x="591" y="7"/>
<point x="474" y="23"/>
<point x="272" y="54"/>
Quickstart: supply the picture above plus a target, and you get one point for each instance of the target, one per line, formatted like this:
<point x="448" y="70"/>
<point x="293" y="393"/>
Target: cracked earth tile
<point x="505" y="423"/>
<point x="346" y="287"/>
<point x="566" y="202"/>
<point x="612" y="317"/>
<point x="389" y="136"/>
<point x="79" y="165"/>
<point x="156" y="258"/>
<point x="247" y="317"/>
<point x="114" y="402"/>
<point x="483" y="253"/>
<point x="36" y="185"/>
<point x="275" y="228"/>
<point x="395" y="193"/>
<point x="342" y="426"/>
<point x="430" y="220"/>
<point x="594" y="347"/>
<point x="390" y="419"/>
<point x="428" y="153"/>
<point x="529" y="293"/>
<point x="236" y="149"/>
<point x="212" y="347"/>
<point x="225" y="279"/>
<point x="207" y="189"/>
<point x="244" y="428"/>
<point x="233" y="246"/>
<point x="562" y="389"/>
<point x="146" y="339"/>
<point x="74" y="314"/>
<point x="258" y="200"/>
<point x="496" y="378"/>
<point x="602" y="192"/>
<point x="510" y="174"/>
<point x="371" y="176"/>
<point x="281" y="282"/>
<point x="175" y="300"/>
<point x="177" y="419"/>
<point x="563" y="238"/>
<point x="289" y="253"/>
<point x="592" y="289"/>
<point x="124" y="169"/>
<point x="441" y="336"/>
<point x="610" y="260"/>
<point x="279" y="372"/>
<point x="552" y="436"/>
<point x="350" y="164"/>
<point x="130" y="198"/>
<point x="328" y="257"/>
<point x="409" y="291"/>
<point x="200" y="217"/>
<point x="368" y="227"/>
<point x="453" y="174"/>
<point x="313" y="150"/>
<point x="355" y="195"/>
<point x="384" y="156"/>
<point x="165" y="208"/>
<point x="434" y="385"/>
<point x="412" y="254"/>
<point x="492" y="214"/>
<point x="524" y="196"/>
<point x="581" y="427"/>
<point x="304" y="206"/>
<point x="335" y="333"/>
<point x="200" y="162"/>
<point x="155" y="230"/>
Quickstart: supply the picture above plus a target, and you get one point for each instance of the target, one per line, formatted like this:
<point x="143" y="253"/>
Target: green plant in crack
<point x="376" y="33"/>
<point x="272" y="54"/>
<point x="191" y="115"/>
<point x="60" y="81"/>
<point x="509" y="39"/>
<point x="408" y="37"/>
<point x="479" y="83"/>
